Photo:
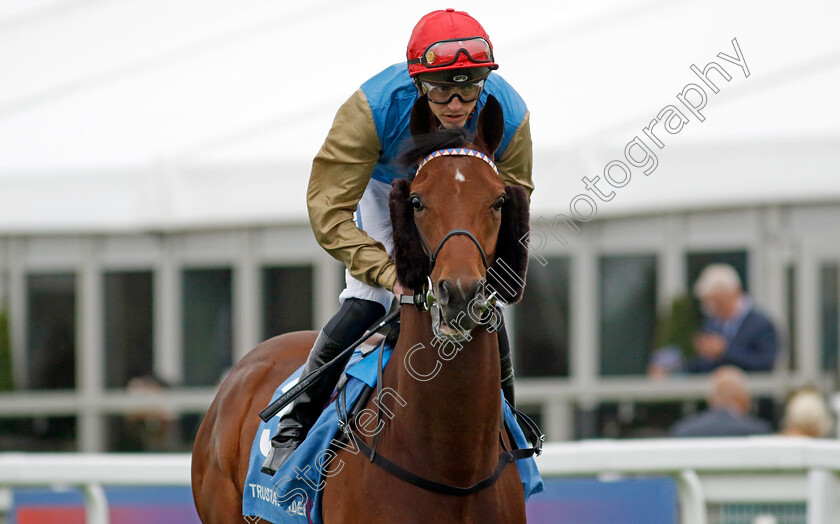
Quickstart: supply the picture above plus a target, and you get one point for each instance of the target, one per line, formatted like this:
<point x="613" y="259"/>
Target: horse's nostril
<point x="458" y="296"/>
<point x="444" y="291"/>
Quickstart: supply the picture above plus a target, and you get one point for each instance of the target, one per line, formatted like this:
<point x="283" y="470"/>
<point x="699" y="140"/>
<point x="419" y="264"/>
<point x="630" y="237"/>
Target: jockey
<point x="449" y="60"/>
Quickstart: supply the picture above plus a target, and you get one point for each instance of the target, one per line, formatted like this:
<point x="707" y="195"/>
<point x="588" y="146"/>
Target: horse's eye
<point x="416" y="203"/>
<point x="499" y="204"/>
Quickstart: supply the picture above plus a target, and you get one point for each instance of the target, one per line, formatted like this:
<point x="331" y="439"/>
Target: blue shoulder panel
<point x="513" y="108"/>
<point x="391" y="95"/>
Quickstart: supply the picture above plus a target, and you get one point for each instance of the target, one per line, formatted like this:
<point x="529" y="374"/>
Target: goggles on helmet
<point x="447" y="52"/>
<point x="444" y="93"/>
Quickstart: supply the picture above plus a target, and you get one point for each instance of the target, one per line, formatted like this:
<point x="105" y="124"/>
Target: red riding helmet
<point x="446" y="41"/>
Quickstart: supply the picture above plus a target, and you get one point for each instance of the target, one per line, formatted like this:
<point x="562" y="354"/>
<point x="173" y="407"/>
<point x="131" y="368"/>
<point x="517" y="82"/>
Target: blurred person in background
<point x="807" y="415"/>
<point x="152" y="429"/>
<point x="728" y="409"/>
<point x="734" y="332"/>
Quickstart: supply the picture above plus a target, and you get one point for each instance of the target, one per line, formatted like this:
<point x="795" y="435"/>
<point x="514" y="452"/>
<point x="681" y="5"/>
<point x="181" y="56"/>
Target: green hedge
<point x="678" y="326"/>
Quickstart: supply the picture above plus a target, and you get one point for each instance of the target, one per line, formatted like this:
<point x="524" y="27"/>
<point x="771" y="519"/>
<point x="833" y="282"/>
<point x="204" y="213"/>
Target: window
<point x="627" y="313"/>
<point x="287" y="299"/>
<point x="51" y="331"/>
<point x="38" y="434"/>
<point x="128" y="326"/>
<point x="207" y="325"/>
<point x="829" y="311"/>
<point x="51" y="355"/>
<point x="541" y="345"/>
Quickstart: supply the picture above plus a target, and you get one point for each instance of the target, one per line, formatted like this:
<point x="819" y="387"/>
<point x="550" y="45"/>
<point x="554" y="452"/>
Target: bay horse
<point x="445" y="364"/>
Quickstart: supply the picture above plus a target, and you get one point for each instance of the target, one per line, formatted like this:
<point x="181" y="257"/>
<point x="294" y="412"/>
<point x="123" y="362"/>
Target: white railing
<point x="743" y="470"/>
<point x="731" y="470"/>
<point x="91" y="471"/>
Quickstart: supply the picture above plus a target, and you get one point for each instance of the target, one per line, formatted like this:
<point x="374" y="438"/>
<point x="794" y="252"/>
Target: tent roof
<point x="154" y="115"/>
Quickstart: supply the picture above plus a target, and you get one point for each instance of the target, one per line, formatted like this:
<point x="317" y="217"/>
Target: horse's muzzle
<point x="460" y="306"/>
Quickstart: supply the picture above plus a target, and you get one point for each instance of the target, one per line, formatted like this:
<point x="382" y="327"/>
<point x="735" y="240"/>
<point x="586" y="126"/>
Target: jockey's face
<point x="454" y="113"/>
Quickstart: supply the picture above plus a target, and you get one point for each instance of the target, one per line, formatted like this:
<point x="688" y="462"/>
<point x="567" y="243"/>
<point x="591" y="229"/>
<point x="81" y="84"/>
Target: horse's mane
<point x="423" y="145"/>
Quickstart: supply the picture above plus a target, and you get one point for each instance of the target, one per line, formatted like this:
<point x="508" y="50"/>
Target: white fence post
<point x="823" y="497"/>
<point x="96" y="505"/>
<point x="5" y="504"/>
<point x="692" y="499"/>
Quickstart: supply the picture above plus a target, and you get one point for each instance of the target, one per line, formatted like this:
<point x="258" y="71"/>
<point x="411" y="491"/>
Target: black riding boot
<point x="352" y="320"/>
<point x="506" y="361"/>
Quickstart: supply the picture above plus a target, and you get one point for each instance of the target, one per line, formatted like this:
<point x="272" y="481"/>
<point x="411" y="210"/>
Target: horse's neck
<point x="452" y="409"/>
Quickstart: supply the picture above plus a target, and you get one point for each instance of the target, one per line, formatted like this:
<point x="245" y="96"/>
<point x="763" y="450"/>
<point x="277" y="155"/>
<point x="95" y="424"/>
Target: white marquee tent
<point x="135" y="115"/>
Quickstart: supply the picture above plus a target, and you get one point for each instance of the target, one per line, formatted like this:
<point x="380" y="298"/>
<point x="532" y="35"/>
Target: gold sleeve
<point x="517" y="161"/>
<point x="340" y="173"/>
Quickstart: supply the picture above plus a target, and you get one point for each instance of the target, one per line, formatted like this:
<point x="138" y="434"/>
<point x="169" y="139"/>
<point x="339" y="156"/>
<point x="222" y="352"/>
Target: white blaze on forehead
<point x="459" y="176"/>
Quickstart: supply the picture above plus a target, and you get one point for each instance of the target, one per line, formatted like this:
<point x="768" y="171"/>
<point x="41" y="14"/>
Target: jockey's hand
<point x="399" y="289"/>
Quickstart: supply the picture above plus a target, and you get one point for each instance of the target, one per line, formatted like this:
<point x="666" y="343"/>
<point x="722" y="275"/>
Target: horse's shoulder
<point x="287" y="341"/>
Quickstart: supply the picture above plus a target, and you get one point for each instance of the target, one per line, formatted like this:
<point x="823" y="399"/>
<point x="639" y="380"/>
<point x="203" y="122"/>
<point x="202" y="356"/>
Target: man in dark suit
<point x="728" y="411"/>
<point x="734" y="331"/>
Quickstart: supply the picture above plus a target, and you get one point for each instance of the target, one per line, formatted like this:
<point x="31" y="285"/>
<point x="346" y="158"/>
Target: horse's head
<point x="459" y="232"/>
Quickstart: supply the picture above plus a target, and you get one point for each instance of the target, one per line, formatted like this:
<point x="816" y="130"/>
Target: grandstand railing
<point x="708" y="472"/>
<point x="554" y="400"/>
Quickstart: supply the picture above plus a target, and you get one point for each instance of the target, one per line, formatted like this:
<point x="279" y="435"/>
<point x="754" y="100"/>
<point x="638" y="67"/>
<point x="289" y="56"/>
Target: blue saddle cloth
<point x="293" y="494"/>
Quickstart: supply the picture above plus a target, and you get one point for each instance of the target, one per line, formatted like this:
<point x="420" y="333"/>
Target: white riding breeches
<point x="374" y="218"/>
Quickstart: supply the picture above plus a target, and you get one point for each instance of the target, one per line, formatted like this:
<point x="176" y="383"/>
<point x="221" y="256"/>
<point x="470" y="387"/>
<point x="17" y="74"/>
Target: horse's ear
<point x="506" y="275"/>
<point x="491" y="125"/>
<point x="412" y="262"/>
<point x="423" y="121"/>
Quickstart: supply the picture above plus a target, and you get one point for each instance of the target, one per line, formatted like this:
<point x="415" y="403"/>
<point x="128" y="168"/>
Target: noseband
<point x="455" y="232"/>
